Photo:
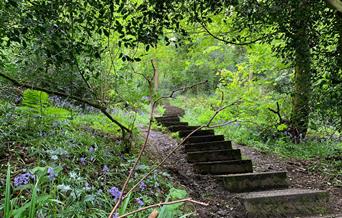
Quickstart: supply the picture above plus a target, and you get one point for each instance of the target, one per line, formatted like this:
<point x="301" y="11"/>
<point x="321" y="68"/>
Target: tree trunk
<point x="338" y="27"/>
<point x="339" y="61"/>
<point x="302" y="82"/>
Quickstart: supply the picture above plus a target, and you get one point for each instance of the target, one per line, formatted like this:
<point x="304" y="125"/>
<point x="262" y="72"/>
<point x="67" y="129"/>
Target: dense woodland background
<point x="77" y="79"/>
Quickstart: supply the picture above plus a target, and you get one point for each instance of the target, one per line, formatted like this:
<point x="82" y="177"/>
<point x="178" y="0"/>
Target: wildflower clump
<point x="23" y="179"/>
<point x="115" y="192"/>
<point x="51" y="173"/>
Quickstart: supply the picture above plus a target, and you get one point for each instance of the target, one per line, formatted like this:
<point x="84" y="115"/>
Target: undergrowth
<point x="56" y="162"/>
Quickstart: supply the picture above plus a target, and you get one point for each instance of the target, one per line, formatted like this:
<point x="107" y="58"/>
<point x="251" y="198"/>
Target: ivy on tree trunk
<point x="302" y="81"/>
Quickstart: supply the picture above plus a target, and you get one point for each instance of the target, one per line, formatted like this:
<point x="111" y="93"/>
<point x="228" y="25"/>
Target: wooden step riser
<point x="202" y="139"/>
<point x="173" y="114"/>
<point x="184" y="133"/>
<point x="223" y="155"/>
<point x="287" y="206"/>
<point x="208" y="146"/>
<point x="165" y="117"/>
<point x="255" y="181"/>
<point x="167" y="124"/>
<point x="181" y="128"/>
<point x="167" y="120"/>
<point x="242" y="166"/>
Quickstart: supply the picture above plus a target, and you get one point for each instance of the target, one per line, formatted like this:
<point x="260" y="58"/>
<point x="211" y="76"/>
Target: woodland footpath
<point x="81" y="82"/>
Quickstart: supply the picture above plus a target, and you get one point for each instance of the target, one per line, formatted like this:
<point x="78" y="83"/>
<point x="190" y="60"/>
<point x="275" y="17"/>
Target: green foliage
<point x="101" y="51"/>
<point x="7" y="203"/>
<point x="33" y="201"/>
<point x="123" y="207"/>
<point x="35" y="99"/>
<point x="50" y="141"/>
<point x="173" y="210"/>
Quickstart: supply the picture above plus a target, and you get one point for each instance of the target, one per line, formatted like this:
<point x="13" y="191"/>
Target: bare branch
<point x="164" y="203"/>
<point x="186" y="88"/>
<point x="277" y="112"/>
<point x="223" y="124"/>
<point x="221" y="109"/>
<point x="141" y="74"/>
<point x="131" y="172"/>
<point x="164" y="159"/>
<point x="177" y="147"/>
<point x="226" y="41"/>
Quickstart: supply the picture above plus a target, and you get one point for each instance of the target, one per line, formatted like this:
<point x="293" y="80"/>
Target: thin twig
<point x="186" y="88"/>
<point x="178" y="146"/>
<point x="135" y="163"/>
<point x="164" y="159"/>
<point x="131" y="172"/>
<point x="221" y="109"/>
<point x="277" y="112"/>
<point x="164" y="203"/>
<point x="223" y="124"/>
<point x="229" y="42"/>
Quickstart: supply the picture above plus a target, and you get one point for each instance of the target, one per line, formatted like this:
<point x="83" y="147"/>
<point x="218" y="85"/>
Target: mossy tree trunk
<point x="339" y="61"/>
<point x="302" y="81"/>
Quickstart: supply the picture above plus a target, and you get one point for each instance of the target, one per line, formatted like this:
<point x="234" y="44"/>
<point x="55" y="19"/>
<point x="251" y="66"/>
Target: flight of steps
<point x="265" y="194"/>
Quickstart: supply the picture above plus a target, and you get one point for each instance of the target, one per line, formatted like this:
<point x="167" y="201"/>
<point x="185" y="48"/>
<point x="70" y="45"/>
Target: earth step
<point x="254" y="181"/>
<point x="285" y="203"/>
<point x="206" y="138"/>
<point x="208" y="146"/>
<point x="223" y="167"/>
<point x="176" y="123"/>
<point x="167" y="119"/>
<point x="184" y="133"/>
<point x="216" y="155"/>
<point x="177" y="128"/>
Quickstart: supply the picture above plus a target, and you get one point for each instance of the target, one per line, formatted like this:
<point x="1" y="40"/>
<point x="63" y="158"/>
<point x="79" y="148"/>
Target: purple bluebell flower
<point x="91" y="149"/>
<point x="115" y="215"/>
<point x="51" y="173"/>
<point x="23" y="179"/>
<point x="87" y="186"/>
<point x="83" y="160"/>
<point x="115" y="192"/>
<point x="105" y="169"/>
<point x="142" y="186"/>
<point x="139" y="201"/>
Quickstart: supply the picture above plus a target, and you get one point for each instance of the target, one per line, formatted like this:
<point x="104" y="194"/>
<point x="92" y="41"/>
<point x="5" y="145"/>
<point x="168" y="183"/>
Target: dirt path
<point x="223" y="203"/>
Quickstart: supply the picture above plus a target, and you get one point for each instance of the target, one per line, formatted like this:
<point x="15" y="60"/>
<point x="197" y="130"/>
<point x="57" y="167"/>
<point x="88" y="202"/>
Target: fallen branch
<point x="164" y="203"/>
<point x="64" y="95"/>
